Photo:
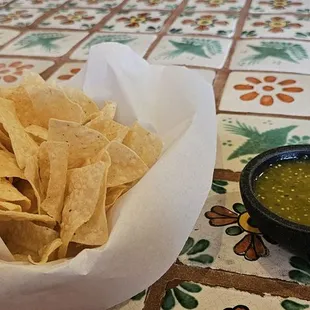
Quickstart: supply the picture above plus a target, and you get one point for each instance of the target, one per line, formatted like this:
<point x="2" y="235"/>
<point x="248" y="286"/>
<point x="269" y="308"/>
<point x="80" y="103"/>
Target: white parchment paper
<point x="151" y="223"/>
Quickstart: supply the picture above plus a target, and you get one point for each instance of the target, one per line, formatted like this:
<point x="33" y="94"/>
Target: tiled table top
<point x="257" y="54"/>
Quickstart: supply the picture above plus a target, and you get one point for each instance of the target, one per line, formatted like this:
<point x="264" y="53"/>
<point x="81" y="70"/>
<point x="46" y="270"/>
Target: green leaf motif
<point x="43" y="40"/>
<point x="218" y="186"/>
<point x="186" y="301"/>
<point x="299" y="276"/>
<point x="139" y="296"/>
<point x="239" y="207"/>
<point x="169" y="301"/>
<point x="301" y="273"/>
<point x="202" y="259"/>
<point x="199" y="247"/>
<point x="292" y="305"/>
<point x="191" y="287"/>
<point x="257" y="142"/>
<point x="188" y="244"/>
<point x="122" y="39"/>
<point x="234" y="231"/>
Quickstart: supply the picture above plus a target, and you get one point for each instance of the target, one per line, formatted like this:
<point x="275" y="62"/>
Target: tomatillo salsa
<point x="284" y="188"/>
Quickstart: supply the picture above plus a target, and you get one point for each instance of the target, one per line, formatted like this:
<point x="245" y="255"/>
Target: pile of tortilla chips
<point x="63" y="165"/>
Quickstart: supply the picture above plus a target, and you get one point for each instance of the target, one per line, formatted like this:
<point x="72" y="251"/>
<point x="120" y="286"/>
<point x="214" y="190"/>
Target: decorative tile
<point x="19" y="17"/>
<point x="244" y="136"/>
<point x="204" y="23"/>
<point x="135" y="303"/>
<point x="43" y="43"/>
<point x="190" y="295"/>
<point x="96" y="4"/>
<point x="7" y="34"/>
<point x="226" y="238"/>
<point x="75" y="18"/>
<point x="286" y="94"/>
<point x="11" y="70"/>
<point x="215" y="5"/>
<point x="275" y="55"/>
<point x="283" y="6"/>
<point x="208" y="75"/>
<point x="152" y="4"/>
<point x="277" y="26"/>
<point x="67" y="71"/>
<point x="191" y="51"/>
<point x="136" y="21"/>
<point x="4" y="2"/>
<point x="138" y="42"/>
<point x="42" y="4"/>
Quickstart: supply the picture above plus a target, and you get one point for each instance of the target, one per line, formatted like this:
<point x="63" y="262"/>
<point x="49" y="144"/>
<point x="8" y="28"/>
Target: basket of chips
<point x="101" y="180"/>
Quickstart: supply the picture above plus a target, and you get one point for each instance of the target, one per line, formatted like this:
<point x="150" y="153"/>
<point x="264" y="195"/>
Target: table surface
<point x="261" y="99"/>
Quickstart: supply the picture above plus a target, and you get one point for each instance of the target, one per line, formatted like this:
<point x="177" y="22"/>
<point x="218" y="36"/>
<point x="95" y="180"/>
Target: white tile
<point x="96" y="4"/>
<point x="272" y="55"/>
<point x="215" y="5"/>
<point x="152" y="5"/>
<point x="276" y="7"/>
<point x="138" y="42"/>
<point x="66" y="71"/>
<point x="43" y="43"/>
<point x="277" y="26"/>
<point x="7" y="34"/>
<point x="42" y="4"/>
<point x="205" y="23"/>
<point x="19" y="17"/>
<point x="206" y="52"/>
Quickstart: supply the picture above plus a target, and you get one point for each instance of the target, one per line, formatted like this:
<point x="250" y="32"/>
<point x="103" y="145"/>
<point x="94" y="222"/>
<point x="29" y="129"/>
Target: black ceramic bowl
<point x="295" y="237"/>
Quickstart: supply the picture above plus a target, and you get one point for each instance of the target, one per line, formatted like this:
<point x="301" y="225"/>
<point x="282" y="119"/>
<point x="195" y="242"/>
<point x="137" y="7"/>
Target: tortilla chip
<point x="113" y="193"/>
<point x="38" y="133"/>
<point x="25" y="188"/>
<point x="23" y="106"/>
<point x="126" y="165"/>
<point x="58" y="153"/>
<point x="8" y="206"/>
<point x="146" y="144"/>
<point x="6" y="91"/>
<point x="23" y="146"/>
<point x="108" y="111"/>
<point x="9" y="193"/>
<point x="25" y="216"/>
<point x="79" y="204"/>
<point x="51" y="102"/>
<point x="77" y="96"/>
<point x="5" y="140"/>
<point x="44" y="168"/>
<point x="27" y="238"/>
<point x="30" y="78"/>
<point x="83" y="142"/>
<point x="8" y="166"/>
<point x="109" y="128"/>
<point x="95" y="231"/>
<point x="47" y="252"/>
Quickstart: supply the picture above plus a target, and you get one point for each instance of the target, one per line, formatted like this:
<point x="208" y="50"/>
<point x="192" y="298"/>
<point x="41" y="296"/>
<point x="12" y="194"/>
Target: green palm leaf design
<point x="301" y="273"/>
<point x="43" y="40"/>
<point x="292" y="305"/>
<point x="186" y="301"/>
<point x="123" y="39"/>
<point x="169" y="301"/>
<point x="218" y="186"/>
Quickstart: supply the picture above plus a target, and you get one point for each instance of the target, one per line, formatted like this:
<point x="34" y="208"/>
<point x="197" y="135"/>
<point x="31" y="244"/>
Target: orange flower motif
<point x="204" y="22"/>
<point x="277" y="24"/>
<point x="134" y="21"/>
<point x="280" y="4"/>
<point x="9" y="72"/>
<point x="72" y="18"/>
<point x="216" y="3"/>
<point x="73" y="72"/>
<point x="154" y="2"/>
<point x="20" y="14"/>
<point x="264" y="88"/>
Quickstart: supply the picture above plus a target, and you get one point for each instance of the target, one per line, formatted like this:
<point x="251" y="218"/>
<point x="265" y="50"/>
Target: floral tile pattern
<point x="43" y="43"/>
<point x="190" y="295"/>
<point x="136" y="21"/>
<point x="267" y="93"/>
<point x="152" y="4"/>
<point x="244" y="136"/>
<point x="277" y="26"/>
<point x="207" y="52"/>
<point x="272" y="55"/>
<point x="67" y="71"/>
<point x="205" y="23"/>
<point x="215" y="5"/>
<point x="42" y="4"/>
<point x="282" y="6"/>
<point x="96" y="4"/>
<point x="138" y="42"/>
<point x="7" y="34"/>
<point x="74" y="19"/>
<point x="18" y="17"/>
<point x="11" y="70"/>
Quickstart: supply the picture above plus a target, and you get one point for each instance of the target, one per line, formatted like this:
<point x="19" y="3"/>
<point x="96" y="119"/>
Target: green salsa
<point x="284" y="188"/>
